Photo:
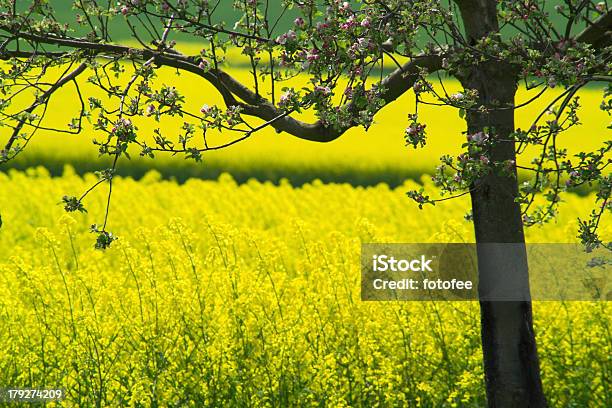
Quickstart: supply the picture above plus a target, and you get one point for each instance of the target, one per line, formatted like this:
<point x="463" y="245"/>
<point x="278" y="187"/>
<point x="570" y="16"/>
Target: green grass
<point x="228" y="15"/>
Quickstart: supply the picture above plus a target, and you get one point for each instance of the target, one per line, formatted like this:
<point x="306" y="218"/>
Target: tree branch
<point x="43" y="99"/>
<point x="8" y="54"/>
<point x="599" y="33"/>
<point x="395" y="84"/>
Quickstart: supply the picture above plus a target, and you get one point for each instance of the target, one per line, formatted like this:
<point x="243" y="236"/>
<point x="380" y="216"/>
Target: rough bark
<point x="512" y="373"/>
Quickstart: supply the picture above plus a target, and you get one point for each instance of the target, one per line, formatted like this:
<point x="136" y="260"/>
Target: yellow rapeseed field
<point x="226" y="294"/>
<point x="220" y="293"/>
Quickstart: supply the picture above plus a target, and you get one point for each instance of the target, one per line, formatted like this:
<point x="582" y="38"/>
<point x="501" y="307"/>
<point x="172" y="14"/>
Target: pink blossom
<point x="350" y="22"/>
<point x="325" y="90"/>
<point x="478" y="138"/>
<point x="456" y="97"/>
<point x="363" y="43"/>
<point x="284" y="59"/>
<point x="348" y="92"/>
<point x="286" y="98"/>
<point x="312" y="55"/>
<point x="288" y="36"/>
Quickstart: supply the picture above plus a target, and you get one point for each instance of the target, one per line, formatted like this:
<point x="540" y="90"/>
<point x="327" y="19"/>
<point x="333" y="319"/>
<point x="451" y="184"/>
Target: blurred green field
<point x="358" y="157"/>
<point x="227" y="15"/>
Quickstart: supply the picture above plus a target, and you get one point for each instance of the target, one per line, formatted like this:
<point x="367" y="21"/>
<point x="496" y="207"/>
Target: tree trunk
<point x="512" y="373"/>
